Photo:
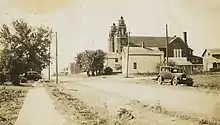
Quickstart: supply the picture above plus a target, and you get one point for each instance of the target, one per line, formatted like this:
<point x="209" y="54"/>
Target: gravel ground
<point x="11" y="101"/>
<point x="86" y="107"/>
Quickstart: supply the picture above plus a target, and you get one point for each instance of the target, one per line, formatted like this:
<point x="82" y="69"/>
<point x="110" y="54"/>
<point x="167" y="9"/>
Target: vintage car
<point x="30" y="75"/>
<point x="174" y="76"/>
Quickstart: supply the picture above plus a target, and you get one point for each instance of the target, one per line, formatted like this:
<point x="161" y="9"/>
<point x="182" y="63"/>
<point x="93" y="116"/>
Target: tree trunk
<point x="15" y="79"/>
<point x="93" y="73"/>
<point x="99" y="72"/>
<point x="88" y="74"/>
<point x="96" y="72"/>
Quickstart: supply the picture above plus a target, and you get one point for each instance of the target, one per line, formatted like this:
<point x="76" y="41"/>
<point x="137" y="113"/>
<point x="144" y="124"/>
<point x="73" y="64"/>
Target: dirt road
<point x="117" y="91"/>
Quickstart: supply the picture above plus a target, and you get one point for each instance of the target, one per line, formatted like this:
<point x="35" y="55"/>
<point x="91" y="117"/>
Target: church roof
<point x="149" y="41"/>
<point x="152" y="41"/>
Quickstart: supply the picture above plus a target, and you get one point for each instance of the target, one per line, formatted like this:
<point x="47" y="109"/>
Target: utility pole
<point x="128" y="55"/>
<point x="56" y="59"/>
<point x="49" y="63"/>
<point x="167" y="45"/>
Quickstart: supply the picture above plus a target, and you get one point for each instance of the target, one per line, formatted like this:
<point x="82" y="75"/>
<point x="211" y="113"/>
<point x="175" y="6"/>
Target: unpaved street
<point x="116" y="92"/>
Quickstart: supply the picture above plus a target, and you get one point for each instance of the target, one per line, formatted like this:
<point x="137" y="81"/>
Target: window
<point x="116" y="60"/>
<point x="122" y="31"/>
<point x="177" y="52"/>
<point x="135" y="65"/>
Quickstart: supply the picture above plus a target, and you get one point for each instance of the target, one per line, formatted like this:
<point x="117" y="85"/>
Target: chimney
<point x="185" y="37"/>
<point x="142" y="44"/>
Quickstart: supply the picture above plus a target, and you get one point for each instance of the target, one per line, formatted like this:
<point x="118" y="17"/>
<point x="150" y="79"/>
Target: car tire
<point x="174" y="81"/>
<point x="190" y="84"/>
<point x="160" y="80"/>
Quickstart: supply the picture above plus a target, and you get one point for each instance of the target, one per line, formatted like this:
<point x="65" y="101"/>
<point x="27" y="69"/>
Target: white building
<point x="141" y="60"/>
<point x="113" y="61"/>
<point x="211" y="59"/>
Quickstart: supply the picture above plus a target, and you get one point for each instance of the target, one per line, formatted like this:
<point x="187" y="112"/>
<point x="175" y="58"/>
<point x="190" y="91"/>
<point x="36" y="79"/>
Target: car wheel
<point x="174" y="81"/>
<point x="190" y="84"/>
<point x="160" y="80"/>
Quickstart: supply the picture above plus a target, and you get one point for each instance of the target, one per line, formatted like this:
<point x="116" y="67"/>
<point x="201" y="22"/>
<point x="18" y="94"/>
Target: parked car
<point x="174" y="76"/>
<point x="30" y="75"/>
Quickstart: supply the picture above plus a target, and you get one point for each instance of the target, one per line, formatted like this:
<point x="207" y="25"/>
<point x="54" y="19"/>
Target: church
<point x="150" y="48"/>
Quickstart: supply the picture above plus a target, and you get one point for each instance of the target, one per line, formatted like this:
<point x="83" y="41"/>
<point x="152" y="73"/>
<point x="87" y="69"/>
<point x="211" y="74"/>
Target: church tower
<point x="121" y="35"/>
<point x="111" y="40"/>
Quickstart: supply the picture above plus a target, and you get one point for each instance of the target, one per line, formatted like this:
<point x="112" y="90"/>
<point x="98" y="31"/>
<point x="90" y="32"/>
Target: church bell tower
<point x="111" y="40"/>
<point x="122" y="35"/>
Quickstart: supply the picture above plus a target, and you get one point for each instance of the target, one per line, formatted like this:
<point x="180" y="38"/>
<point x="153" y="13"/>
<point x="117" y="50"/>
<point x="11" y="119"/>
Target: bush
<point x="108" y="71"/>
<point x="215" y="69"/>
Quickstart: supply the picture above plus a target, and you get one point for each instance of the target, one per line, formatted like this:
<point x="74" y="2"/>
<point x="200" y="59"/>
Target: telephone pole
<point x="49" y="63"/>
<point x="128" y="55"/>
<point x="56" y="59"/>
<point x="167" y="40"/>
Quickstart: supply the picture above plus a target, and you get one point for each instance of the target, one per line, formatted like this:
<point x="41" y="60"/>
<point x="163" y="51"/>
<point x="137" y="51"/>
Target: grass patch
<point x="11" y="101"/>
<point x="207" y="81"/>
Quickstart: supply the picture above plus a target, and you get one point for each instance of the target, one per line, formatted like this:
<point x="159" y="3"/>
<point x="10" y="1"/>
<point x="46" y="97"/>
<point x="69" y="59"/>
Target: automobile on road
<point x="30" y="75"/>
<point x="174" y="76"/>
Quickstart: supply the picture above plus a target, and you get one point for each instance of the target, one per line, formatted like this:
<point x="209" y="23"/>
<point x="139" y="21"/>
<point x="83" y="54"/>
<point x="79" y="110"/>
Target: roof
<point x="140" y="50"/>
<point x="113" y="55"/>
<point x="212" y="51"/>
<point x="151" y="41"/>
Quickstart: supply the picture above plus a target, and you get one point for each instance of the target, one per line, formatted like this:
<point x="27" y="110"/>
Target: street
<point x="116" y="92"/>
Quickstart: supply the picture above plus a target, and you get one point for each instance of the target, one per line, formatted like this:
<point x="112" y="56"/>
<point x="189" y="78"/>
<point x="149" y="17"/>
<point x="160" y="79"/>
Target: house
<point x="113" y="60"/>
<point x="141" y="60"/>
<point x="178" y="48"/>
<point x="211" y="59"/>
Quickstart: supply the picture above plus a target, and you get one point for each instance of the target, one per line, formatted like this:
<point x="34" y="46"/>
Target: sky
<point x="85" y="24"/>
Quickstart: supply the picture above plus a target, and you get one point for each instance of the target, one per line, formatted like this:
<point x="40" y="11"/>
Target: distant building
<point x="141" y="60"/>
<point x="178" y="49"/>
<point x="113" y="60"/>
<point x="211" y="59"/>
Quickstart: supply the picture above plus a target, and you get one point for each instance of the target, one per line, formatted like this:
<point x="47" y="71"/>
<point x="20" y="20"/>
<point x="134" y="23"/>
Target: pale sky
<point x="85" y="24"/>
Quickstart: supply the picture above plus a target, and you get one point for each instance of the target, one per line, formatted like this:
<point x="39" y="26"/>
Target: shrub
<point x="215" y="69"/>
<point x="108" y="71"/>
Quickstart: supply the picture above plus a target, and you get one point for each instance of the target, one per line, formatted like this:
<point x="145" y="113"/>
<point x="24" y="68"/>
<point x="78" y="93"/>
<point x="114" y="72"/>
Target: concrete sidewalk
<point x="38" y="109"/>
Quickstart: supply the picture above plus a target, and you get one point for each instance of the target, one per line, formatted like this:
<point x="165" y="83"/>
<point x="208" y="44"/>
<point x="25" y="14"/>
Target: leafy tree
<point x="91" y="61"/>
<point x="24" y="48"/>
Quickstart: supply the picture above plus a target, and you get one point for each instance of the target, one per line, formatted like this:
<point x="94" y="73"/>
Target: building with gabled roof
<point x="211" y="59"/>
<point x="142" y="60"/>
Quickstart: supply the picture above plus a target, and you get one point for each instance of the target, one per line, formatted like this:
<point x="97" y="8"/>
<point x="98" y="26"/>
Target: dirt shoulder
<point x="11" y="101"/>
<point x="82" y="109"/>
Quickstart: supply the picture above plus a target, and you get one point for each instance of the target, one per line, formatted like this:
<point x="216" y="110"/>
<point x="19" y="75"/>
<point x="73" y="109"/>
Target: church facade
<point x="178" y="48"/>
